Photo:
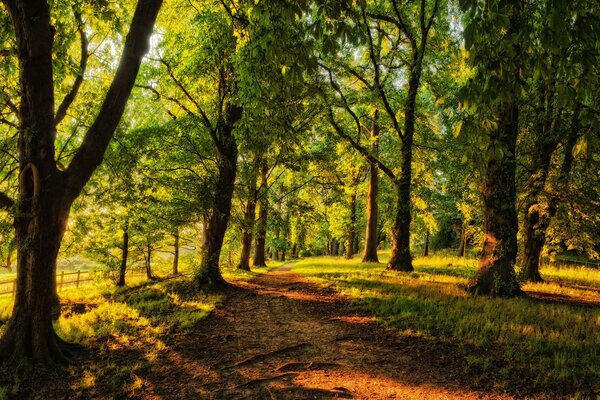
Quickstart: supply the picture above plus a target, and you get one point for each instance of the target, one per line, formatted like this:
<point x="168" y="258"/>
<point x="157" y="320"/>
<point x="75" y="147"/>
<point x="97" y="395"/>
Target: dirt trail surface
<point x="280" y="337"/>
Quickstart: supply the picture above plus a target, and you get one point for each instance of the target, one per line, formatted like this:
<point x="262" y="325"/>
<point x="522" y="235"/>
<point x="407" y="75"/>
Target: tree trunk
<point x="352" y="227"/>
<point x="209" y="274"/>
<point x="45" y="192"/>
<point x="462" y="245"/>
<point x="536" y="223"/>
<point x="249" y="218"/>
<point x="496" y="273"/>
<point x="176" y="253"/>
<point x="261" y="239"/>
<point x="148" y="260"/>
<point x="294" y="250"/>
<point x="124" y="254"/>
<point x="372" y="231"/>
<point x="401" y="259"/>
<point x="426" y="246"/>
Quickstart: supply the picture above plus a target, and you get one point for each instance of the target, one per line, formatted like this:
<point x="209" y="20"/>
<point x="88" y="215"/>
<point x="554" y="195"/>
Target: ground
<point x="284" y="334"/>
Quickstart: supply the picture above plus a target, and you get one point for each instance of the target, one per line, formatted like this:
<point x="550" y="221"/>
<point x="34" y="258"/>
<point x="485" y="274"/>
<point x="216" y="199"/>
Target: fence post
<point x="14" y="288"/>
<point x="62" y="277"/>
<point x="78" y="275"/>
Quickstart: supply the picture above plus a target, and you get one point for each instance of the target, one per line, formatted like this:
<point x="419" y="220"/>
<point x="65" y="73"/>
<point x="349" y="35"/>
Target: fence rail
<point x="63" y="280"/>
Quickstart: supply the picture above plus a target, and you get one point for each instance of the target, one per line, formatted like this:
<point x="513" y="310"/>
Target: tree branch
<point x="362" y="150"/>
<point x="378" y="86"/>
<point x="96" y="140"/>
<point x="6" y="203"/>
<point x="61" y="112"/>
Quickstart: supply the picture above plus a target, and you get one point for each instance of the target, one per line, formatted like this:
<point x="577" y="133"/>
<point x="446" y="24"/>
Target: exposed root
<point x="262" y="356"/>
<point x="261" y="381"/>
<point x="305" y="366"/>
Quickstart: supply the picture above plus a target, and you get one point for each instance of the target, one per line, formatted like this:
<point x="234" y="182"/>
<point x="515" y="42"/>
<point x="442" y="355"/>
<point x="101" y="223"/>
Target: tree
<point x="386" y="26"/>
<point x="46" y="192"/>
<point x="494" y="37"/>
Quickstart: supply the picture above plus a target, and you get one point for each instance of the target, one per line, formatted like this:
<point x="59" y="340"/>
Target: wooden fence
<point x="63" y="280"/>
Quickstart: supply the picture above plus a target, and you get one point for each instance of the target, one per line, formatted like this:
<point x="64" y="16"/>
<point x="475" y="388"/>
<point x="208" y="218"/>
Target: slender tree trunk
<point x="176" y="252"/>
<point x="352" y="227"/>
<point x="462" y="246"/>
<point x="294" y="250"/>
<point x="426" y="246"/>
<point x="148" y="260"/>
<point x="124" y="255"/>
<point x="372" y="231"/>
<point x="496" y="273"/>
<point x="249" y="218"/>
<point x="261" y="239"/>
<point x="209" y="274"/>
<point x="275" y="250"/>
<point x="536" y="223"/>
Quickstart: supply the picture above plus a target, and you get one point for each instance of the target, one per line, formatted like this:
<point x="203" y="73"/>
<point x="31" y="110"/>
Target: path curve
<point x="281" y="337"/>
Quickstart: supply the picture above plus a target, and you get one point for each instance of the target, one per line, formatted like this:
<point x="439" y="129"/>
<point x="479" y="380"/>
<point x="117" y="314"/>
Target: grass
<point x="124" y="329"/>
<point x="522" y="344"/>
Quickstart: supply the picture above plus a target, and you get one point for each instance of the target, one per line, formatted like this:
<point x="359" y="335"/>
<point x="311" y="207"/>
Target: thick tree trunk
<point x="124" y="255"/>
<point x="351" y="228"/>
<point x="249" y="218"/>
<point x="209" y="274"/>
<point x="401" y="259"/>
<point x="536" y="223"/>
<point x="263" y="208"/>
<point x="372" y="231"/>
<point x="176" y="253"/>
<point x="426" y="246"/>
<point x="45" y="192"/>
<point x="496" y="273"/>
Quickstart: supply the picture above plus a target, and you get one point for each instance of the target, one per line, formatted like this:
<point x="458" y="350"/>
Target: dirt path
<point x="280" y="337"/>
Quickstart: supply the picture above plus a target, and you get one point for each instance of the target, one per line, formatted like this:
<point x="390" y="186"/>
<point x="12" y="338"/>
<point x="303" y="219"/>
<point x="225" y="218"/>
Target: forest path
<point x="281" y="337"/>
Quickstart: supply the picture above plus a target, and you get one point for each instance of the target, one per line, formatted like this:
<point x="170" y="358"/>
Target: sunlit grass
<point x="523" y="341"/>
<point x="129" y="329"/>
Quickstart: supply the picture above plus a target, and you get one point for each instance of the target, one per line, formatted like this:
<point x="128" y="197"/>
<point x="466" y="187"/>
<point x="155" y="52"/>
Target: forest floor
<point x="276" y="335"/>
<point x="281" y="337"/>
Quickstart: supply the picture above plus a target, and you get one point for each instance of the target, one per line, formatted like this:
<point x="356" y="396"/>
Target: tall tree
<point x="46" y="192"/>
<point x="493" y="36"/>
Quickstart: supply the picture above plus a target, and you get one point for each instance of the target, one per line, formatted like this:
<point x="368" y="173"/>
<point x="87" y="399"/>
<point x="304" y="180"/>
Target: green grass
<point x="126" y="330"/>
<point x="522" y="342"/>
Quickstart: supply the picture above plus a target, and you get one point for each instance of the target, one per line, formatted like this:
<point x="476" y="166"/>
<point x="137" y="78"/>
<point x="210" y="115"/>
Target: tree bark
<point x="372" y="231"/>
<point x="148" y="259"/>
<point x="496" y="273"/>
<point x="45" y="192"/>
<point x="261" y="239"/>
<point x="247" y="232"/>
<point x="426" y="246"/>
<point x="124" y="255"/>
<point x="536" y="222"/>
<point x="176" y="252"/>
<point x="462" y="246"/>
<point x="401" y="259"/>
<point x="209" y="274"/>
<point x="352" y="227"/>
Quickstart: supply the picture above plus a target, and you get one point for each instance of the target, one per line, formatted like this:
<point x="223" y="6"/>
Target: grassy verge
<point x="549" y="346"/>
<point x="125" y="331"/>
